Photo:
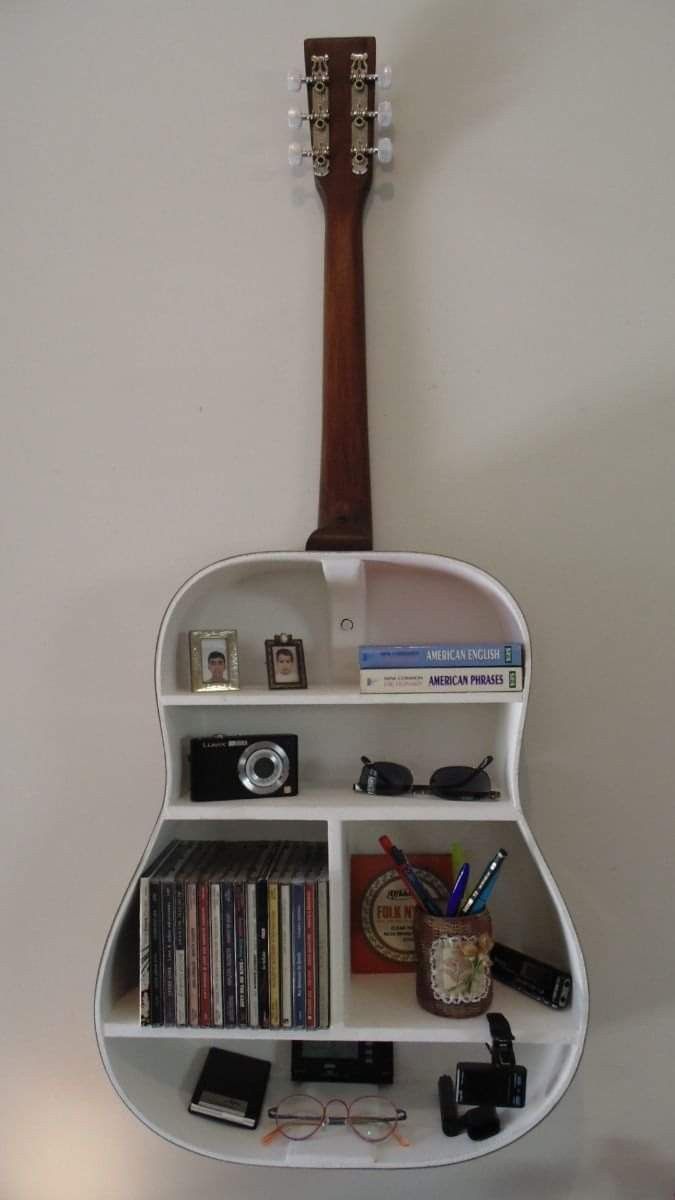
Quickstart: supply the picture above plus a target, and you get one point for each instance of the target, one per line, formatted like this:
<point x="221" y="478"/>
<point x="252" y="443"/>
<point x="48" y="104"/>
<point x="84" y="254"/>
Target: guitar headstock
<point x="340" y="78"/>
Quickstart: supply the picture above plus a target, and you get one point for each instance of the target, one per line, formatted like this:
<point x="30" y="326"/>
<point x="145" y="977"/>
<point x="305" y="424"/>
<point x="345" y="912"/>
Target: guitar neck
<point x="345" y="513"/>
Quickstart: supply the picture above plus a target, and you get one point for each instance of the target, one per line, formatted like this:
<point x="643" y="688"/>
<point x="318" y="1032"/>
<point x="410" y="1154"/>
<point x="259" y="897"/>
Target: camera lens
<point x="263" y="767"/>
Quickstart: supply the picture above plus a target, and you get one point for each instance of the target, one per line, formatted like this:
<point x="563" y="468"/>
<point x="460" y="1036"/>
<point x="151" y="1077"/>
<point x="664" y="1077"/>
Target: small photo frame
<point x="285" y="662"/>
<point x="214" y="660"/>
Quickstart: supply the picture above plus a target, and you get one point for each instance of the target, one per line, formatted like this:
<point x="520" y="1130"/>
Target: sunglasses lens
<point x="447" y="780"/>
<point x="385" y="779"/>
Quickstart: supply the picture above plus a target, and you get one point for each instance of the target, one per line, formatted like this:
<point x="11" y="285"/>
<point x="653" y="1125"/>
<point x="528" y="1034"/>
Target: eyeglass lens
<point x="373" y="1118"/>
<point x="300" y="1116"/>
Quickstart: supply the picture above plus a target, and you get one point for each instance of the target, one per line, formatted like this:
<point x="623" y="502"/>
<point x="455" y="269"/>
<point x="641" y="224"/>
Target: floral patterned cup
<point x="454" y="976"/>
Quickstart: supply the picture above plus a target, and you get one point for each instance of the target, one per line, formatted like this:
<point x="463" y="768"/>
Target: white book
<point x="441" y="679"/>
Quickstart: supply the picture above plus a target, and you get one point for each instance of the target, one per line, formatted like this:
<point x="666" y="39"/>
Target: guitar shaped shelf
<point x="336" y="595"/>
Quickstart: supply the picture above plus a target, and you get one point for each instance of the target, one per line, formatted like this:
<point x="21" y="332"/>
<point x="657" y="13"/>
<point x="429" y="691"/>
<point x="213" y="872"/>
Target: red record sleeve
<point x="382" y="909"/>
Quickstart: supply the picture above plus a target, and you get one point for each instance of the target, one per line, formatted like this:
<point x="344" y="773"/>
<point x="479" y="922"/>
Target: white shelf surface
<point x="325" y="802"/>
<point x="328" y="694"/>
<point x="379" y="1008"/>
<point x="163" y="1077"/>
<point x="385" y="1007"/>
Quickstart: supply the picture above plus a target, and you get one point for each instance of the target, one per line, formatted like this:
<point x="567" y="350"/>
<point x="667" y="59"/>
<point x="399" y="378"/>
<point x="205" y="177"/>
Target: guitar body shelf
<point x="336" y="601"/>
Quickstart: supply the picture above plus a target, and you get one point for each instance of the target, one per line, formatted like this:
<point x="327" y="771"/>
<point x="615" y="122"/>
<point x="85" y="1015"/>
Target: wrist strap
<point x="502" y="1040"/>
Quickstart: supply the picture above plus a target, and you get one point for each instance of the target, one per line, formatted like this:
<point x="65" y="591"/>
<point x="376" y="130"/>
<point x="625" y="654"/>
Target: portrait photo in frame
<point x="214" y="660"/>
<point x="285" y="662"/>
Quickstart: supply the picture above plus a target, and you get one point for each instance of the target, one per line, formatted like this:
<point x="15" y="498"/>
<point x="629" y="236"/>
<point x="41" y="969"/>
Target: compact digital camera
<point x="236" y="768"/>
<point x="502" y="1082"/>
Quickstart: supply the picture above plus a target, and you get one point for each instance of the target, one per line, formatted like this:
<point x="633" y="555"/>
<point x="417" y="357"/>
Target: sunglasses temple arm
<point x="481" y="767"/>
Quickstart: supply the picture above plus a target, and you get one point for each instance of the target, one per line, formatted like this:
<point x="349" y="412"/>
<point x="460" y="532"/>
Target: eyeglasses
<point x="449" y="783"/>
<point x="371" y="1118"/>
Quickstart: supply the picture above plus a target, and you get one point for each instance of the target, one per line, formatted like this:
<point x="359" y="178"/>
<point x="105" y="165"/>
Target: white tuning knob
<point x="294" y="80"/>
<point x="384" y="150"/>
<point x="384" y="114"/>
<point x="295" y="154"/>
<point x="294" y="118"/>
<point x="384" y="78"/>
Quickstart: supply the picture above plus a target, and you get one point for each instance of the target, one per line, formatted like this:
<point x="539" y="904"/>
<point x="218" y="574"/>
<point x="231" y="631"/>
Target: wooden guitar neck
<point x="338" y="88"/>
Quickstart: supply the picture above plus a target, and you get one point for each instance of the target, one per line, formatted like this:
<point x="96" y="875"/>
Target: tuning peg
<point x="318" y="120"/>
<point x="385" y="115"/>
<point x="296" y="154"/>
<point x="294" y="79"/>
<point x="384" y="150"/>
<point x="384" y="78"/>
<point x="320" y="158"/>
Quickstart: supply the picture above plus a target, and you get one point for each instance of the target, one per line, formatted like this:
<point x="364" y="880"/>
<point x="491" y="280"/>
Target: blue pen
<point x="486" y="880"/>
<point x="457" y="893"/>
<point x="481" y="903"/>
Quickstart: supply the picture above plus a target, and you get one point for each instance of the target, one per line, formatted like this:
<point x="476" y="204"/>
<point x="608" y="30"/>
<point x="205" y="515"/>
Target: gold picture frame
<point x="214" y="660"/>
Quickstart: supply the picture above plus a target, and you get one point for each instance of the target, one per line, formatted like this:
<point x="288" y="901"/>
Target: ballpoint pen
<point x="409" y="877"/>
<point x="457" y="893"/>
<point x="482" y="901"/>
<point x="469" y="905"/>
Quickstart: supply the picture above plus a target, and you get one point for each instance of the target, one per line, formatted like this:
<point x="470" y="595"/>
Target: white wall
<point x="161" y="394"/>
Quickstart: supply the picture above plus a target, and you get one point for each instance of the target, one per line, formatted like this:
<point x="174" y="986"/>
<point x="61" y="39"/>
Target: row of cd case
<point x="236" y="934"/>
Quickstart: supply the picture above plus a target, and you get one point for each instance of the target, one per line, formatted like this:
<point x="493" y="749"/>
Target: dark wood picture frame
<point x="293" y="648"/>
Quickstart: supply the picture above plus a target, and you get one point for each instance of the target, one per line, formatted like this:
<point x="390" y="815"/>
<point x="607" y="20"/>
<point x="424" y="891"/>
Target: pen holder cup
<point x="453" y="972"/>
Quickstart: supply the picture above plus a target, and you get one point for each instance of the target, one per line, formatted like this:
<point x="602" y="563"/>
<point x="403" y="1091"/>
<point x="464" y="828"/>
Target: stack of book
<point x="442" y="667"/>
<point x="236" y="934"/>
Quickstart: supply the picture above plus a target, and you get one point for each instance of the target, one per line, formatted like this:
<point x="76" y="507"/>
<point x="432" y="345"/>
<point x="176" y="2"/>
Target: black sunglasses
<point x="449" y="783"/>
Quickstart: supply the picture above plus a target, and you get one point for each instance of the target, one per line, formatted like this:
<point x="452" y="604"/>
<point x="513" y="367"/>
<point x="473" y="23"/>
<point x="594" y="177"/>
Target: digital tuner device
<point x="343" y="1062"/>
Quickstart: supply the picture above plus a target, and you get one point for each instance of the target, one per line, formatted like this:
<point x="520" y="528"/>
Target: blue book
<point x="443" y="654"/>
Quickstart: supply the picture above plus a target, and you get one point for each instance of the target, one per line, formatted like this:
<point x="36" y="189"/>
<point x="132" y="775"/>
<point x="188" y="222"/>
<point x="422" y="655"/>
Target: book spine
<point x="240" y="952"/>
<point x="229" y="961"/>
<point x="310" y="957"/>
<point x="298" y="952"/>
<point x="216" y="958"/>
<point x="323" y="954"/>
<point x="273" y="953"/>
<point x="156" y="1000"/>
<point x="168" y="953"/>
<point x="449" y="654"/>
<point x="149" y="939"/>
<point x="179" y="957"/>
<point x="252" y="955"/>
<point x="503" y="679"/>
<point x="204" y="954"/>
<point x="263" y="954"/>
<point x="192" y="947"/>
<point x="144" y="951"/>
<point x="285" y="956"/>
